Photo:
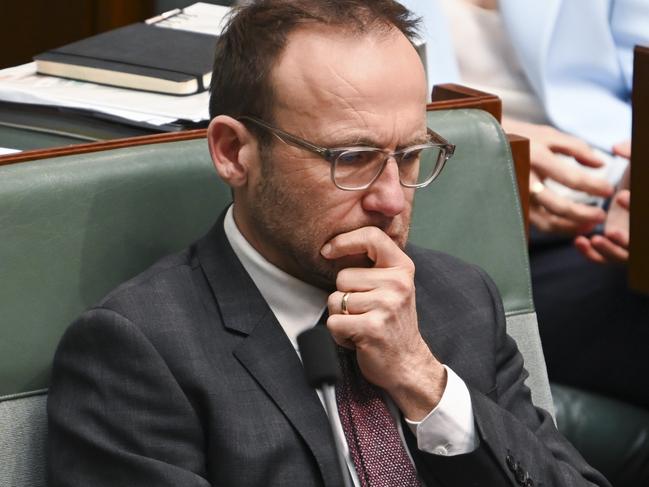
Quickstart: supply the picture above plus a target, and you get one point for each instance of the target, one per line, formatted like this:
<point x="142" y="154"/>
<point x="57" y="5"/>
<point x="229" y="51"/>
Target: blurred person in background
<point x="563" y="71"/>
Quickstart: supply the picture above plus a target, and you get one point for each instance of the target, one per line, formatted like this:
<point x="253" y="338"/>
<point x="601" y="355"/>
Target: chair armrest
<point x="613" y="436"/>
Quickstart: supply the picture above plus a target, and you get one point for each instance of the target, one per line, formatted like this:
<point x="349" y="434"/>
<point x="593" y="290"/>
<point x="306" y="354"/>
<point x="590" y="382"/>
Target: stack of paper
<point x="6" y="150"/>
<point x="21" y="84"/>
<point x="201" y="17"/>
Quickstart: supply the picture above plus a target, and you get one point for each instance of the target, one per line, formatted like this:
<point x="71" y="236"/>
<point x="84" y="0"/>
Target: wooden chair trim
<point x="520" y="147"/>
<point x="639" y="229"/>
<point x="32" y="155"/>
<point x="451" y="95"/>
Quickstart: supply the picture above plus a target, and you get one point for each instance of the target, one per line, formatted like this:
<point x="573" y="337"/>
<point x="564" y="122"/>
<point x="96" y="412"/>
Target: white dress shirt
<point x="447" y="430"/>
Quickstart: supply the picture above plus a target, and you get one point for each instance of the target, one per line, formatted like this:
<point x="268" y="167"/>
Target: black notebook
<point x="138" y="56"/>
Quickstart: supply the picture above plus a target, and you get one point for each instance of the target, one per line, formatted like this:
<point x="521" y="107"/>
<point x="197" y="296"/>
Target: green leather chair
<point x="473" y="212"/>
<point x="73" y="227"/>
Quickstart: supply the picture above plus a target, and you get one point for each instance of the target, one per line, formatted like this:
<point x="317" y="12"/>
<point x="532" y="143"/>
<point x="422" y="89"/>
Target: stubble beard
<point x="287" y="219"/>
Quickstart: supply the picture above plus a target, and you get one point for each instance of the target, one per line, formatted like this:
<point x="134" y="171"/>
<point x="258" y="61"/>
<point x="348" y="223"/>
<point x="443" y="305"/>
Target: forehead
<point x="328" y="82"/>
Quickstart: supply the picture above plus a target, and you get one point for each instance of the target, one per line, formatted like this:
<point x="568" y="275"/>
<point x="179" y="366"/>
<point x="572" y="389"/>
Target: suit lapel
<point x="270" y="358"/>
<point x="266" y="352"/>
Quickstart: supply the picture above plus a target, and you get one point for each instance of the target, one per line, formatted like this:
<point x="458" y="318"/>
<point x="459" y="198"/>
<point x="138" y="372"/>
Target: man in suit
<point x="188" y="374"/>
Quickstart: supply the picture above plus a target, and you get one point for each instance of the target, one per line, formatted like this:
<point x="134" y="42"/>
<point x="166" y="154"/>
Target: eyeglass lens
<point x="355" y="169"/>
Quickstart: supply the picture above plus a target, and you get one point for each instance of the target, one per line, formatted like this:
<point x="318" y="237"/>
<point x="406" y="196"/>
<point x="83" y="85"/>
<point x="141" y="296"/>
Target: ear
<point x="231" y="147"/>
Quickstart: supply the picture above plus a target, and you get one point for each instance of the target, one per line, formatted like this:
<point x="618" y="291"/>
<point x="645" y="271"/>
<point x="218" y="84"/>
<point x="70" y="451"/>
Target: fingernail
<point x="326" y="250"/>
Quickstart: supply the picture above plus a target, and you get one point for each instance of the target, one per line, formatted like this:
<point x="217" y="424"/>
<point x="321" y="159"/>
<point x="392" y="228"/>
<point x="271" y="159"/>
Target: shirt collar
<point x="296" y="304"/>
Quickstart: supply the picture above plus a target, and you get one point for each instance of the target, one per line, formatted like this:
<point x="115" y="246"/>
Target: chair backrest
<point x="473" y="212"/>
<point x="73" y="227"/>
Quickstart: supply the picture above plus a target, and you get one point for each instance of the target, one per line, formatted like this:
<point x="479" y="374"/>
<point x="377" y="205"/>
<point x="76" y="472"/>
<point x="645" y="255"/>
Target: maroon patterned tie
<point x="374" y="443"/>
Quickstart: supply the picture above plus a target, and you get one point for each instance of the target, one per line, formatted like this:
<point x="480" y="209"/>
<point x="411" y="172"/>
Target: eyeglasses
<point x="356" y="168"/>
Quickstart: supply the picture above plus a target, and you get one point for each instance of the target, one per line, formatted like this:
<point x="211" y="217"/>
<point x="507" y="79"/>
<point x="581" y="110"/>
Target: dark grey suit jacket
<point x="183" y="377"/>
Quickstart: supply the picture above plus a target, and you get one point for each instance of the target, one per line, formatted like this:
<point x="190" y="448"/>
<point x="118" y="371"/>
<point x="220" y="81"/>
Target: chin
<point x="324" y="273"/>
<point x="360" y="260"/>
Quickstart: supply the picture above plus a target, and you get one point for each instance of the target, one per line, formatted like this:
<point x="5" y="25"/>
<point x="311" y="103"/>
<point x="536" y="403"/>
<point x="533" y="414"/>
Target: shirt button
<point x="440" y="450"/>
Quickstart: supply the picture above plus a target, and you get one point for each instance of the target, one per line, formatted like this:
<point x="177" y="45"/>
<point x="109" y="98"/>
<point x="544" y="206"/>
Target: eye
<point x="411" y="156"/>
<point x="356" y="158"/>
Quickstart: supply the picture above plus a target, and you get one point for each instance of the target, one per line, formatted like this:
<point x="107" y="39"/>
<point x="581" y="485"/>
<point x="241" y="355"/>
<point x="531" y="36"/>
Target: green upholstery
<point x="459" y="214"/>
<point x="610" y="434"/>
<point x="472" y="211"/>
<point x="23" y="430"/>
<point x="75" y="227"/>
<point x="71" y="229"/>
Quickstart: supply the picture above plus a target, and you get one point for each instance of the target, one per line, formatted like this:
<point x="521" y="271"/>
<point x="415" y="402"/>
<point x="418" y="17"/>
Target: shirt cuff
<point x="448" y="429"/>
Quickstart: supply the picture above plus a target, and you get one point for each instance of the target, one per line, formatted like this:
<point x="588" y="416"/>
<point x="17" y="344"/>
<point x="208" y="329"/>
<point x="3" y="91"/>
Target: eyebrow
<point x="364" y="141"/>
<point x="417" y="141"/>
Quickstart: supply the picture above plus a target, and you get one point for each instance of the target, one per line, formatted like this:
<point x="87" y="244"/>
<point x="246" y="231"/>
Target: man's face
<point x="334" y="90"/>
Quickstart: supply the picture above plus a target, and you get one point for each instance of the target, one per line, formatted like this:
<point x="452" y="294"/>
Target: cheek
<point x="339" y="209"/>
<point x="316" y="195"/>
<point x="299" y="166"/>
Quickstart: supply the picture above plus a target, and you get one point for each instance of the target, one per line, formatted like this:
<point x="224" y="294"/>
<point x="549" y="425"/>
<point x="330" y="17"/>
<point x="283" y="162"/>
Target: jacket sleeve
<point x="519" y="444"/>
<point x="116" y="416"/>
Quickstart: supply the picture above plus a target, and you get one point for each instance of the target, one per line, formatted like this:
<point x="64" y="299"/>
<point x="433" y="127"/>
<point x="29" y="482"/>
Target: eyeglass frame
<point x="331" y="155"/>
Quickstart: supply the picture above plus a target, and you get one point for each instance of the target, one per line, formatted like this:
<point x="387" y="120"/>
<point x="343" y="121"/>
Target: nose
<point x="386" y="195"/>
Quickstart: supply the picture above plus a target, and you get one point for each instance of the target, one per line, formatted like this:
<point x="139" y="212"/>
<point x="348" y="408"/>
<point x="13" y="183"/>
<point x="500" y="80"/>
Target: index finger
<point x="563" y="207"/>
<point x="623" y="198"/>
<point x="575" y="177"/>
<point x="610" y="250"/>
<point x="573" y="146"/>
<point x="623" y="149"/>
<point x="374" y="242"/>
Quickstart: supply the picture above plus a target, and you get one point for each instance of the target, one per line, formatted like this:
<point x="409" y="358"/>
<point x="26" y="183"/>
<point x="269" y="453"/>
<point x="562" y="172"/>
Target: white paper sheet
<point x="21" y="84"/>
<point x="202" y="17"/>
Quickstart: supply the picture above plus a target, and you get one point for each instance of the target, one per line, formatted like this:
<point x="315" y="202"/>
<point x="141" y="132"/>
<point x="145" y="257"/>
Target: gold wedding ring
<point x="343" y="304"/>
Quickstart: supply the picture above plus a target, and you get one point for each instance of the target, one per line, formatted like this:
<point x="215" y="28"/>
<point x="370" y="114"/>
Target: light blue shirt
<point x="576" y="54"/>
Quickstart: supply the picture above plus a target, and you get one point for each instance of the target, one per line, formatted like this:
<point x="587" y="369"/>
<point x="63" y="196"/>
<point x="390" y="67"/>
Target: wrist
<point x="421" y="386"/>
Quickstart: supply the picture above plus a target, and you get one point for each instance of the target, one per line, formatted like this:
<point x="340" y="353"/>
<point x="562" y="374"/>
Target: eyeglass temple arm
<point x="435" y="137"/>
<point x="286" y="137"/>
